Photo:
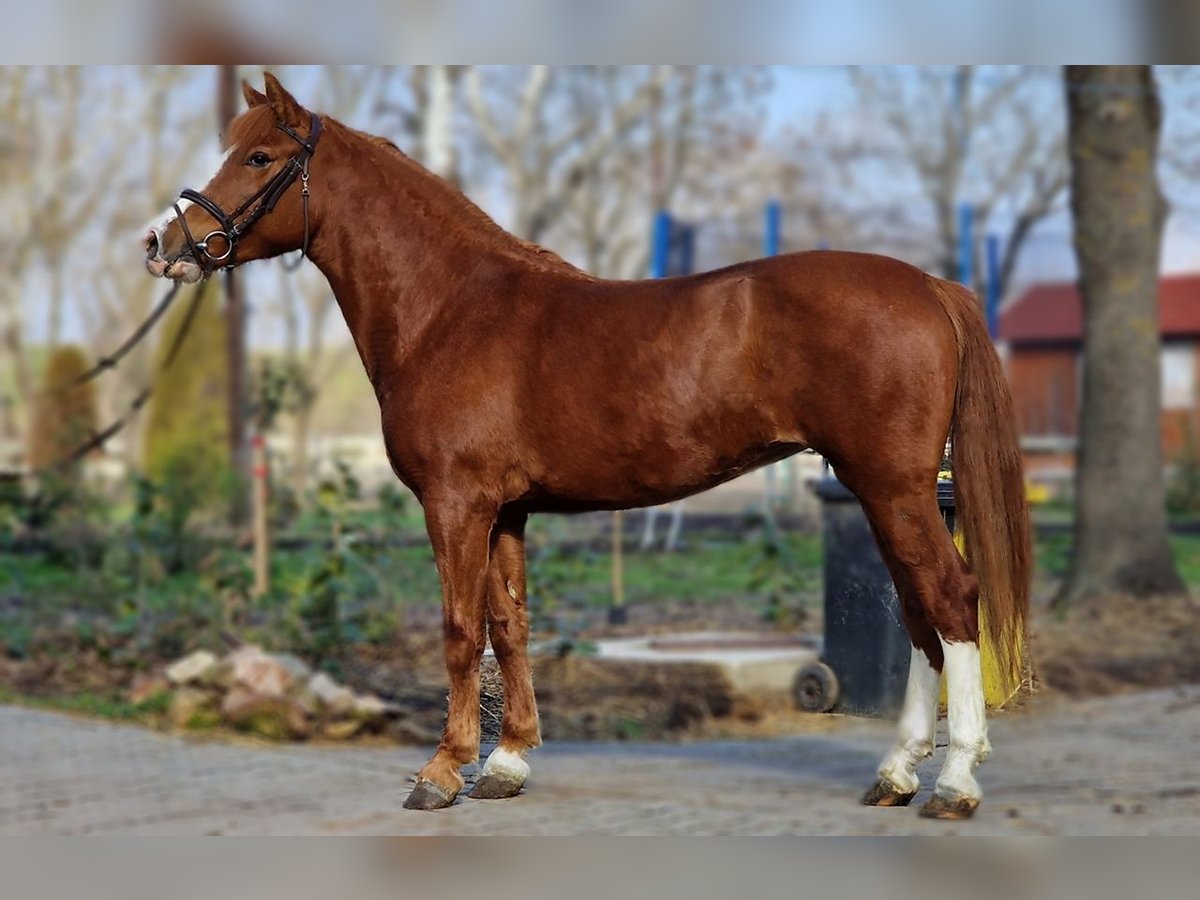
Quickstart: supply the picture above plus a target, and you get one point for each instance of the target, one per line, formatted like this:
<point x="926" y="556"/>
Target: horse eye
<point x="258" y="160"/>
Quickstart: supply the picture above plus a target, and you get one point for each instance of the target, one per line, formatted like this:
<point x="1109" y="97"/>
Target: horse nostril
<point x="151" y="242"/>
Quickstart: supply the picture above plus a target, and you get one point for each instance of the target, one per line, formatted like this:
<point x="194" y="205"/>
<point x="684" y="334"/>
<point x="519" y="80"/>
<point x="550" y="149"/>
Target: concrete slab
<point x="752" y="661"/>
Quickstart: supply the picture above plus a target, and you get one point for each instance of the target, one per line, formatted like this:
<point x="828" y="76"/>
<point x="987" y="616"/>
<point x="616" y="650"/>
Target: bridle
<point x="266" y="197"/>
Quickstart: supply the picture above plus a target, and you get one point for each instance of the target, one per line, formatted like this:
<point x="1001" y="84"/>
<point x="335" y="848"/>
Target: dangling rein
<point x="110" y="361"/>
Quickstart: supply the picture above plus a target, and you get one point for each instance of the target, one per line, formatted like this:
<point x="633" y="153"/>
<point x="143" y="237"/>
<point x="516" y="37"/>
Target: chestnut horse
<point x="511" y="382"/>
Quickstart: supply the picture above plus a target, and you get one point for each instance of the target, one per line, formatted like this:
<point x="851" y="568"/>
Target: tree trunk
<point x="1115" y="117"/>
<point x="12" y="341"/>
<point x="261" y="524"/>
<point x="438" y="138"/>
<point x="56" y="300"/>
<point x="301" y="436"/>
<point x="235" y="332"/>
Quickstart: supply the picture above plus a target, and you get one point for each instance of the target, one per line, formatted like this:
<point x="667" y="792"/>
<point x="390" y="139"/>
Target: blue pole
<point x="993" y="285"/>
<point x="966" y="244"/>
<point x="771" y="234"/>
<point x="773" y="226"/>
<point x="661" y="246"/>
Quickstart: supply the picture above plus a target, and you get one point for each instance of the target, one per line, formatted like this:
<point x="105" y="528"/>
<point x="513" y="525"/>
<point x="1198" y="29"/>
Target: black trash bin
<point x="864" y="664"/>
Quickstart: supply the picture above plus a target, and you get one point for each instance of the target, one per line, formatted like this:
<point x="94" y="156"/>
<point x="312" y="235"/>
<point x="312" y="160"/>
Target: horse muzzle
<point x="183" y="268"/>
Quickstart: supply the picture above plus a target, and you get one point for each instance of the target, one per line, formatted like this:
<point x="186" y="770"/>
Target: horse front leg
<point x="505" y="771"/>
<point x="459" y="533"/>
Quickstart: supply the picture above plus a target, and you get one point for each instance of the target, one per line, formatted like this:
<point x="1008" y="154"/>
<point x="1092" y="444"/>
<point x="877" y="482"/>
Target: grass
<point x="566" y="571"/>
<point x="710" y="571"/>
<point x="125" y="609"/>
<point x="1053" y="556"/>
<point x="1187" y="557"/>
<point x="92" y="704"/>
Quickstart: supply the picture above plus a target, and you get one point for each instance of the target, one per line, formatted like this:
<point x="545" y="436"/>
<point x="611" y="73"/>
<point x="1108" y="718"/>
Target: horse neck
<point x="394" y="241"/>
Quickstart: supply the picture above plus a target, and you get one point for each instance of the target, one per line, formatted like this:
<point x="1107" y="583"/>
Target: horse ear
<point x="253" y="98"/>
<point x="287" y="110"/>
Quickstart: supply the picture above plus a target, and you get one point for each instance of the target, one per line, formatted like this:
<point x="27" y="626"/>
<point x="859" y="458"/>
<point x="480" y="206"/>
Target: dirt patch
<point x="1118" y="644"/>
<point x="657" y="617"/>
<point x="581" y="697"/>
<point x="47" y="675"/>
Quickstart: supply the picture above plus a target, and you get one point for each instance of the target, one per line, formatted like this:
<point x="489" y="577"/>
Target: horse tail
<point x="989" y="485"/>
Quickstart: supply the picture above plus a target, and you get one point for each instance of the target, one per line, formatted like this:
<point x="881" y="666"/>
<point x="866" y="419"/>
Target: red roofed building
<point x="1043" y="329"/>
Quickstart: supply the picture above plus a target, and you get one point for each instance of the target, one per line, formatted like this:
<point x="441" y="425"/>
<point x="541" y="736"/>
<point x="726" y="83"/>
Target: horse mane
<point x="526" y="250"/>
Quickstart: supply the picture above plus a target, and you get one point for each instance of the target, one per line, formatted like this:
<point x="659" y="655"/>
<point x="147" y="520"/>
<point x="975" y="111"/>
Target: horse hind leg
<point x="926" y="565"/>
<point x="957" y="793"/>
<point x="505" y="771"/>
<point x="897" y="780"/>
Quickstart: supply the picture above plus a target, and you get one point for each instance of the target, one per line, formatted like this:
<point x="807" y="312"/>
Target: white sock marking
<point x="968" y="721"/>
<point x="506" y="764"/>
<point x="918" y="723"/>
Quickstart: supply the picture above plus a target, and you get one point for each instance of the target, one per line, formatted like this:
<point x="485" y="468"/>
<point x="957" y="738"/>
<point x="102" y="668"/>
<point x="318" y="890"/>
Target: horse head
<point x="252" y="207"/>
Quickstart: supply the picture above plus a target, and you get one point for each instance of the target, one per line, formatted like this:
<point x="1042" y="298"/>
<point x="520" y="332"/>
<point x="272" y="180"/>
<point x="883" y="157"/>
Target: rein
<point x="101" y="437"/>
<point x="110" y="362"/>
<point x="231" y="229"/>
<point x="139" y="401"/>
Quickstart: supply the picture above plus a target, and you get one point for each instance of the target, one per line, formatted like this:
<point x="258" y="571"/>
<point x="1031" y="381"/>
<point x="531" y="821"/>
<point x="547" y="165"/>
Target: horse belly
<point x="604" y="471"/>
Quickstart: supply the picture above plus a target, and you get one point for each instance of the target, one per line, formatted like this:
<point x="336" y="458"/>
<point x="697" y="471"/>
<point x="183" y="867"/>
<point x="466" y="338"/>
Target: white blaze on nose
<point x="159" y="223"/>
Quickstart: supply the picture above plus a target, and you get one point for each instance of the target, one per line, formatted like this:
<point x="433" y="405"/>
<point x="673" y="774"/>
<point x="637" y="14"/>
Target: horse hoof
<point x="939" y="807"/>
<point x="427" y="795"/>
<point x="496" y="786"/>
<point x="884" y="793"/>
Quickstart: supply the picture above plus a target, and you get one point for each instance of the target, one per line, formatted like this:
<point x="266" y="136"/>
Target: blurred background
<point x="250" y="503"/>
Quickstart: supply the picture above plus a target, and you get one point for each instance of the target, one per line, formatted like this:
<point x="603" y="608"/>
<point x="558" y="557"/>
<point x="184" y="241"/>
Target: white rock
<point x="337" y="699"/>
<point x="191" y="667"/>
<point x="260" y="672"/>
<point x="296" y="667"/>
<point x="369" y="706"/>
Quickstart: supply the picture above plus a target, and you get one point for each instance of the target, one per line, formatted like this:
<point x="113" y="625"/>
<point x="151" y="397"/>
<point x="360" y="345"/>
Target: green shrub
<point x="186" y="451"/>
<point x="62" y="419"/>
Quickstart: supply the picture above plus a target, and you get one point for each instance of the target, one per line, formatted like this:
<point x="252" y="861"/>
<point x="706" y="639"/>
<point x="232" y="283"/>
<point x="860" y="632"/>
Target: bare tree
<point x="952" y="135"/>
<point x="15" y="228"/>
<point x="1115" y="119"/>
<point x="75" y="194"/>
<point x="72" y="204"/>
<point x="1179" y="153"/>
<point x="159" y="150"/>
<point x="422" y="104"/>
<point x="587" y="153"/>
<point x="56" y="157"/>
